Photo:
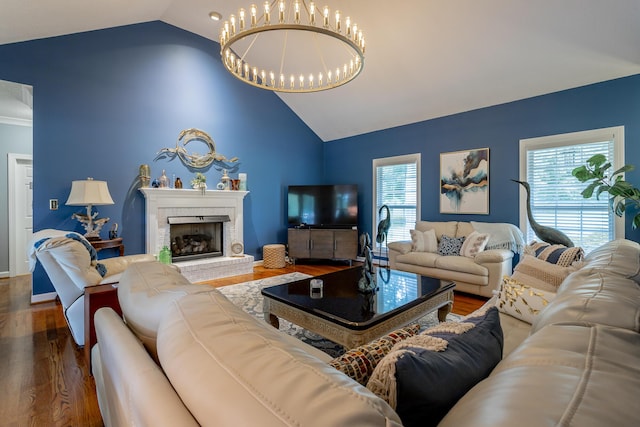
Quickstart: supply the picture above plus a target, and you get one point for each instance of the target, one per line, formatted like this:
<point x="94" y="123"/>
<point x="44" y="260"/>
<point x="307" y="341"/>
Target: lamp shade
<point x="89" y="192"/>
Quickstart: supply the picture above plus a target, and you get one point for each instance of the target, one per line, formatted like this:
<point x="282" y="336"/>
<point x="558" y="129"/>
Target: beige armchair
<point x="71" y="264"/>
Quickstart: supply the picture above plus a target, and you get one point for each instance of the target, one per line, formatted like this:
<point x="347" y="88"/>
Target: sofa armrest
<point x="117" y="265"/>
<point x="493" y="255"/>
<point x="402" y="246"/>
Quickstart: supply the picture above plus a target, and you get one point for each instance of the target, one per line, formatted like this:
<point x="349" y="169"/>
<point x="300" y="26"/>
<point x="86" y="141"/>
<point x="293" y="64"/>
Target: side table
<point x="108" y="244"/>
<point x="96" y="297"/>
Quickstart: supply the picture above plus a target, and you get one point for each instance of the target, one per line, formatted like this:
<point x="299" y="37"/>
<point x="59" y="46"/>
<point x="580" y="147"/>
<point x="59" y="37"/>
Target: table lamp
<point x="88" y="193"/>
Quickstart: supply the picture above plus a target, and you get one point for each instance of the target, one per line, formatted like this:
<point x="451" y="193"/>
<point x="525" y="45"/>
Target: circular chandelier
<point x="292" y="46"/>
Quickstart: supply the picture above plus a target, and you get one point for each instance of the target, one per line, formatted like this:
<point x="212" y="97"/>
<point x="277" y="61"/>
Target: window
<point x="546" y="164"/>
<point x="396" y="183"/>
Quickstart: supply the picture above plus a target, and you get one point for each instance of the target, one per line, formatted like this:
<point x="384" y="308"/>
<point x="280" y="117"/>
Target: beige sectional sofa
<point x="480" y="275"/>
<point x="220" y="366"/>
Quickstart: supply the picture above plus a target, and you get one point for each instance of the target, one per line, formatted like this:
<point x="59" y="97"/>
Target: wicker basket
<point x="273" y="256"/>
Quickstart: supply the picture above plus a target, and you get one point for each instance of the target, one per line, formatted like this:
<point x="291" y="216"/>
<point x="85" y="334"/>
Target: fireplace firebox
<point x="195" y="237"/>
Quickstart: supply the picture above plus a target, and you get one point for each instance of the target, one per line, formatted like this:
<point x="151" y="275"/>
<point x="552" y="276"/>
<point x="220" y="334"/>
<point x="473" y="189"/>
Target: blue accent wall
<point x="606" y="104"/>
<point x="107" y="101"/>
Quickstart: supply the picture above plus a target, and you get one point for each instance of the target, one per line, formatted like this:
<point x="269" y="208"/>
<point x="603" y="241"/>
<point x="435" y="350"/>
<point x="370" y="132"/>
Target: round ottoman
<point x="273" y="256"/>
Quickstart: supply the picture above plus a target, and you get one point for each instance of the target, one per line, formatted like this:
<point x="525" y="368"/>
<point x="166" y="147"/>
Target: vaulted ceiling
<point x="425" y="58"/>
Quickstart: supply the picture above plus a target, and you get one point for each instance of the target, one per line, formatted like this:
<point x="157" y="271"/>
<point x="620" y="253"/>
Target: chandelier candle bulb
<point x="241" y="13"/>
<point x="325" y="14"/>
<point x="338" y="28"/>
<point x="254" y="15"/>
<point x="267" y="13"/>
<point x="296" y="12"/>
<point x="281" y="8"/>
<point x="348" y="25"/>
<point x="312" y="13"/>
<point x="232" y="19"/>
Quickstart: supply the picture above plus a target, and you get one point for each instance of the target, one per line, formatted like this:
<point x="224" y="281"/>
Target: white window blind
<point x="396" y="184"/>
<point x="555" y="194"/>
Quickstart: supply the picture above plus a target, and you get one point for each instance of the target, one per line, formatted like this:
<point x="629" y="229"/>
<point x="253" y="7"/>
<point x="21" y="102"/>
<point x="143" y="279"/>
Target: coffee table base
<point x="350" y="338"/>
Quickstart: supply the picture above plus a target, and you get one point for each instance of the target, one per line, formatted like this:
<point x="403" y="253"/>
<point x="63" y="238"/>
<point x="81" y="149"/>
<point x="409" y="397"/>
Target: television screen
<point x="330" y="206"/>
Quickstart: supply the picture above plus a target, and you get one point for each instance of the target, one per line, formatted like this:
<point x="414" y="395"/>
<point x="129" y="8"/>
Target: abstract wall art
<point x="464" y="182"/>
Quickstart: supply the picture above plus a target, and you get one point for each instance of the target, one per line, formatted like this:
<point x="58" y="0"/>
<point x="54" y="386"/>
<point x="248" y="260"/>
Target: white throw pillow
<point x="424" y="241"/>
<point x="522" y="301"/>
<point x="474" y="244"/>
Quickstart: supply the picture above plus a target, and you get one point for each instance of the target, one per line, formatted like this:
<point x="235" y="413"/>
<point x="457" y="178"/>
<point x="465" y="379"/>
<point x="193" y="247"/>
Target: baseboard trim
<point x="4" y="274"/>
<point x="49" y="296"/>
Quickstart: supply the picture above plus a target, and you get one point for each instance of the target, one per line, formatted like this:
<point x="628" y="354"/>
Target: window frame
<point x="416" y="159"/>
<point x="615" y="133"/>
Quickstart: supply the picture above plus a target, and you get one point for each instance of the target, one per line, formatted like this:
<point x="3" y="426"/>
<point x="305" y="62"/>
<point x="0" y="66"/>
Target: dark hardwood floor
<point x="43" y="373"/>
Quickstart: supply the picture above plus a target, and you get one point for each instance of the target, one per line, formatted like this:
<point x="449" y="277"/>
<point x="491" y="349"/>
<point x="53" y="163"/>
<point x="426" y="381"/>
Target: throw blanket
<point x="56" y="238"/>
<point x="502" y="235"/>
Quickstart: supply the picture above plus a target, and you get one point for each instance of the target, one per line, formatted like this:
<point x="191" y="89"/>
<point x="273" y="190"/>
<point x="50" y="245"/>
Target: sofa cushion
<point x="230" y="369"/>
<point x="461" y="264"/>
<point x="448" y="228"/>
<point x="425" y="375"/>
<point x="564" y="375"/>
<point x="522" y="301"/>
<point x="359" y="362"/>
<point x="590" y="295"/>
<point x="146" y="289"/>
<point x="424" y="241"/>
<point x="473" y="244"/>
<point x="464" y="229"/>
<point x="541" y="274"/>
<point x="424" y="259"/>
<point x="450" y="245"/>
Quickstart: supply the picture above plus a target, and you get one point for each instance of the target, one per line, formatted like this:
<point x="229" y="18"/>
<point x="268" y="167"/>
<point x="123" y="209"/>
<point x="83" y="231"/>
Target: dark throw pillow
<point x="425" y="375"/>
<point x="450" y="245"/>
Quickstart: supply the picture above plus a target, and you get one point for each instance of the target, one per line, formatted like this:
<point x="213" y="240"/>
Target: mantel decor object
<point x="199" y="181"/>
<point x="196" y="160"/>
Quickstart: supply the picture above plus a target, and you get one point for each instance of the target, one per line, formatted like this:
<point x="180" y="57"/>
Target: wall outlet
<point x="53" y="204"/>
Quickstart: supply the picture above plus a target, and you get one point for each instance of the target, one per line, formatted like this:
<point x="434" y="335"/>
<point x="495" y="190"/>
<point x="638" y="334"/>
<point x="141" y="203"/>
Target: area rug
<point x="247" y="295"/>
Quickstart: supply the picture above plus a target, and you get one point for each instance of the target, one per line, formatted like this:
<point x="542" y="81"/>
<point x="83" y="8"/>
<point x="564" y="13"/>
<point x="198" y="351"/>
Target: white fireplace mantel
<point x="163" y="202"/>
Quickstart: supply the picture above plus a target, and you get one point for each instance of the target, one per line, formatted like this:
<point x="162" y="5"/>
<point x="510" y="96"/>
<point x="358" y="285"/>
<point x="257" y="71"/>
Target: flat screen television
<point x="323" y="206"/>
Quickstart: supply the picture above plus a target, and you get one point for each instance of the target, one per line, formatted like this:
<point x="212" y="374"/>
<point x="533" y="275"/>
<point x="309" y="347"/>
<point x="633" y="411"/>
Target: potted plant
<point x="623" y="194"/>
<point x="199" y="181"/>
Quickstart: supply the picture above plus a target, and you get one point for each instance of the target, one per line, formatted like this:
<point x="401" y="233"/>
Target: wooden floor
<point x="43" y="373"/>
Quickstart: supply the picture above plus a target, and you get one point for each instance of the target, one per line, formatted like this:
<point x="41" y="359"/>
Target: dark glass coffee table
<point x="351" y="318"/>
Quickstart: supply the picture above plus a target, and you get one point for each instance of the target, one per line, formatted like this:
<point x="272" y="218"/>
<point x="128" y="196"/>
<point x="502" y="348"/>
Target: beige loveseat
<point x="480" y="275"/>
<point x="220" y="366"/>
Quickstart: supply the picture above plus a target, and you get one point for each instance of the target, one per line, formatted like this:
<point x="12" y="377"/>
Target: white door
<point x="20" y="212"/>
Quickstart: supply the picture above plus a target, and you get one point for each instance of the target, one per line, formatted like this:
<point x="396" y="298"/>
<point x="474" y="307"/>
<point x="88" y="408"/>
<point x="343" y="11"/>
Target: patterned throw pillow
<point x="555" y="254"/>
<point x="423" y="376"/>
<point x="423" y="241"/>
<point x="358" y="363"/>
<point x="474" y="244"/>
<point x="450" y="245"/>
<point x="522" y="301"/>
<point x="540" y="274"/>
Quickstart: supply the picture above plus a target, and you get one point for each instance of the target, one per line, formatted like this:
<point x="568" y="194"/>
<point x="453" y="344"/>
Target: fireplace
<point x="215" y="216"/>
<point x="196" y="237"/>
